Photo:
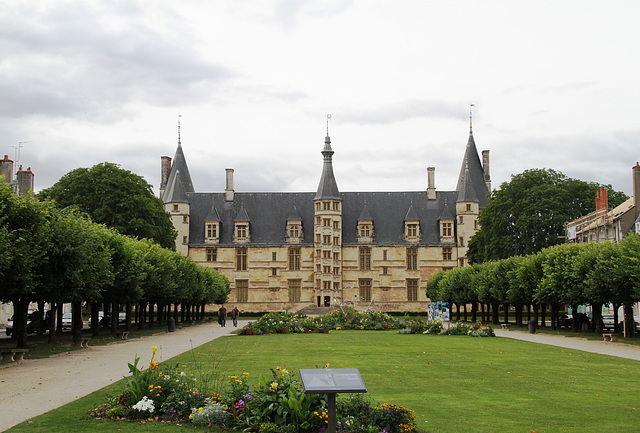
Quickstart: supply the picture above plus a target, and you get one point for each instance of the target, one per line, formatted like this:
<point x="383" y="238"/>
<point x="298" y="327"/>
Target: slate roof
<point x="179" y="165"/>
<point x="269" y="211"/>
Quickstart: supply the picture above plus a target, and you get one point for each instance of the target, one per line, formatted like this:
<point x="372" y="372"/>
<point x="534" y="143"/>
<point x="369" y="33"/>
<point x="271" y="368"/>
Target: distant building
<point x="608" y="225"/>
<point x="299" y="249"/>
<point x="24" y="181"/>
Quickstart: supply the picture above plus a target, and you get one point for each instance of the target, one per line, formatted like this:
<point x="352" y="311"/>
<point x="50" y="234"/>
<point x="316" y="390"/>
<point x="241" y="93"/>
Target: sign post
<point x="331" y="381"/>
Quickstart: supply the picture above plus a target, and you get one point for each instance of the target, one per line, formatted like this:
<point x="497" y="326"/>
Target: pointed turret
<point x="328" y="188"/>
<point x="179" y="164"/>
<point x="472" y="173"/>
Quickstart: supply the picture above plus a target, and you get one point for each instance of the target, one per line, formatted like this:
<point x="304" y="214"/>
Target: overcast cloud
<point x="554" y="86"/>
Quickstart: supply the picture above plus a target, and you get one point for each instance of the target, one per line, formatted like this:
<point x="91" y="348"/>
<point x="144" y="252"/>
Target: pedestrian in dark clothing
<point x="235" y="313"/>
<point x="222" y="316"/>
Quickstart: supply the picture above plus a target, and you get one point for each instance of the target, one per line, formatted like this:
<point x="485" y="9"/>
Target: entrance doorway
<point x="327" y="301"/>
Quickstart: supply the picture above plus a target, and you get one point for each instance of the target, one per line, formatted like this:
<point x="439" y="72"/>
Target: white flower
<point x="182" y="373"/>
<point x="144" y="405"/>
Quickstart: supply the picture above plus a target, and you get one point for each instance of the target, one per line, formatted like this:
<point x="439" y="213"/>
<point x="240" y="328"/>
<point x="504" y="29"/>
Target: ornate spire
<point x="179" y="116"/>
<point x="328" y="188"/>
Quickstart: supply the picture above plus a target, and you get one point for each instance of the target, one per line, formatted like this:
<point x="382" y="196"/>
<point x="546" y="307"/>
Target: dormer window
<point x="365" y="231"/>
<point x="294" y="232"/>
<point x="241" y="232"/>
<point x="412" y="231"/>
<point x="446" y="230"/>
<point x="212" y="232"/>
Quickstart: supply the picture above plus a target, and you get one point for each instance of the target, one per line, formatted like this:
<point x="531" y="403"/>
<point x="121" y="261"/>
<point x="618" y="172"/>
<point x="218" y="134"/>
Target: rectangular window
<point x="365" y="289"/>
<point x="326" y="205"/>
<point x="385" y="270"/>
<point x="184" y="240"/>
<point x="384" y="254"/>
<point x="336" y="271"/>
<point x="460" y="219"/>
<point x="336" y="241"/>
<point x="326" y="269"/>
<point x="317" y="238"/>
<point x="294" y="231"/>
<point x="241" y="259"/>
<point x="326" y="285"/>
<point x="241" y="231"/>
<point x="365" y="258"/>
<point x="412" y="230"/>
<point x="185" y="219"/>
<point x="274" y="272"/>
<point x="212" y="254"/>
<point x="274" y="257"/>
<point x="175" y="208"/>
<point x="336" y="225"/>
<point x="212" y="230"/>
<point x="446" y="253"/>
<point x="326" y="222"/>
<point x="412" y="290"/>
<point x="412" y="258"/>
<point x="468" y="207"/>
<point x="365" y="231"/>
<point x="475" y="224"/>
<point x="326" y="239"/>
<point x="326" y="254"/>
<point x="294" y="259"/>
<point x="447" y="229"/>
<point x="242" y="290"/>
<point x="294" y="290"/>
<point x="461" y="241"/>
<point x="336" y="256"/>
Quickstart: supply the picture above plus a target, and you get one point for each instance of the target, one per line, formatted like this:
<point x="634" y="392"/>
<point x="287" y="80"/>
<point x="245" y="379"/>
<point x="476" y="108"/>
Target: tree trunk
<point x="628" y="320"/>
<point x="495" y="313"/>
<point x="127" y="321"/>
<point x="150" y="314"/>
<point x="543" y="312"/>
<point x="535" y="313"/>
<point x="76" y="324"/>
<point x="95" y="319"/>
<point x="464" y="309"/>
<point x="528" y="313"/>
<point x="20" y="311"/>
<point x="506" y="313"/>
<point x="596" y="323"/>
<point x="474" y="312"/>
<point x="554" y="318"/>
<point x="51" y="324"/>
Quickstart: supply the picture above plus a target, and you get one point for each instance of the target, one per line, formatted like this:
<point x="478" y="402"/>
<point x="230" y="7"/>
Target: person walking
<point x="222" y="316"/>
<point x="235" y="313"/>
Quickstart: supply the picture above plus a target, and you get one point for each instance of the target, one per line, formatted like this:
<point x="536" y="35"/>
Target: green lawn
<point x="453" y="383"/>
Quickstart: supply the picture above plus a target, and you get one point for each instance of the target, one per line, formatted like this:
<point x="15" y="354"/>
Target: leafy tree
<point x="25" y="238"/>
<point x="527" y="214"/>
<point x="117" y="198"/>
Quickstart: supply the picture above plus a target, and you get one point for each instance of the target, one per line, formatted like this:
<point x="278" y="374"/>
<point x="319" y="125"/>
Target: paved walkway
<point x="604" y="348"/>
<point x="36" y="386"/>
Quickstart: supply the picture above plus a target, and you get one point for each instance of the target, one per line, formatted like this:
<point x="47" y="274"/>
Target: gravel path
<point x="37" y="386"/>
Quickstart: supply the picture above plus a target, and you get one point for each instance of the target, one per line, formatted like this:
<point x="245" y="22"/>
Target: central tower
<point x="327" y="234"/>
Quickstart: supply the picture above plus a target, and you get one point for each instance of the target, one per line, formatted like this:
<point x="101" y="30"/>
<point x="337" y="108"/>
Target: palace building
<point x="291" y="250"/>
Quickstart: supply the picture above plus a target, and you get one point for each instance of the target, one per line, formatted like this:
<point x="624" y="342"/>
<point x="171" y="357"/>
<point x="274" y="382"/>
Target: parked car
<point x="67" y="321"/>
<point x="33" y="322"/>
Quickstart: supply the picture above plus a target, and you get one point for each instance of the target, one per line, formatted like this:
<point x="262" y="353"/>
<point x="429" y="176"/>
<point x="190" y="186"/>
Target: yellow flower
<point x="238" y="380"/>
<point x="200" y="409"/>
<point x="284" y="371"/>
<point x="153" y="363"/>
<point x="190" y="416"/>
<point x="233" y="377"/>
<point x="245" y="374"/>
<point x="274" y="385"/>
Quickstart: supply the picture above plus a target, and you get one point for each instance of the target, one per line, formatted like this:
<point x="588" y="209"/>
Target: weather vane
<point x="328" y="117"/>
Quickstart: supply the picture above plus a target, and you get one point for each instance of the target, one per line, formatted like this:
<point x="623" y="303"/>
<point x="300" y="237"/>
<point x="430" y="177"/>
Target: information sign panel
<point x="331" y="380"/>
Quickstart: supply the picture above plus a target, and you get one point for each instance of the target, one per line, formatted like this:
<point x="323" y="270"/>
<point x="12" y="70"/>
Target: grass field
<point x="452" y="383"/>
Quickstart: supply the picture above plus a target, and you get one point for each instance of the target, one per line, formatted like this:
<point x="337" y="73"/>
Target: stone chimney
<point x="228" y="192"/>
<point x="25" y="181"/>
<point x="6" y="169"/>
<point x="636" y="189"/>
<point x="431" y="183"/>
<point x="165" y="171"/>
<point x="486" y="170"/>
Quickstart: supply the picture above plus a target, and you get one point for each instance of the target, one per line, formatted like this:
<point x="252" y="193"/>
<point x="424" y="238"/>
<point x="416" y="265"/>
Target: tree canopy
<point x="527" y="214"/>
<point x="116" y="198"/>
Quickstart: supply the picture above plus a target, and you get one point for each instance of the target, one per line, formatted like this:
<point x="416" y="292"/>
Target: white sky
<point x="555" y="85"/>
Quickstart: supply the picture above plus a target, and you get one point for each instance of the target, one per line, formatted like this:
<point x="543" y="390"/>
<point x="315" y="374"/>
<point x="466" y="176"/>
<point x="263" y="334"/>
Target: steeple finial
<point x="179" y="116"/>
<point x="471" y="118"/>
<point x="328" y="117"/>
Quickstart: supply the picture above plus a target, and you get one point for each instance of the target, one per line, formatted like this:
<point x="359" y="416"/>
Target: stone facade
<point x="293" y="250"/>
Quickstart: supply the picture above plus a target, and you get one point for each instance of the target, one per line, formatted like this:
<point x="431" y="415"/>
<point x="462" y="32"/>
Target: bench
<point x="609" y="337"/>
<point x="83" y="342"/>
<point x="122" y="335"/>
<point x="10" y="355"/>
<point x="505" y="325"/>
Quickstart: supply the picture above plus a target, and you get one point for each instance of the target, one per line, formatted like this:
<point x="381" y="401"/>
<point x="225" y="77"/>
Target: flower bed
<point x="276" y="403"/>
